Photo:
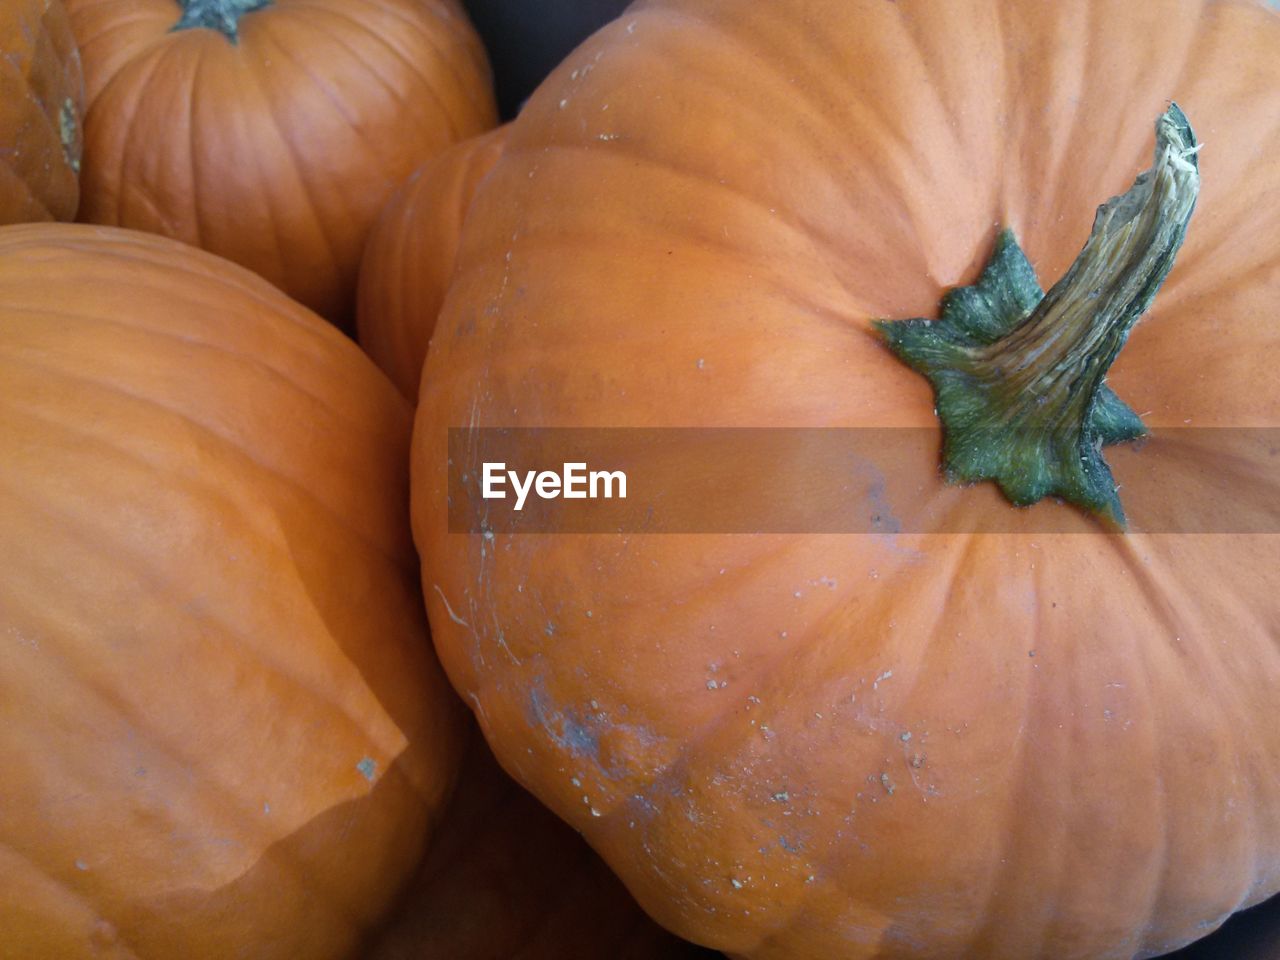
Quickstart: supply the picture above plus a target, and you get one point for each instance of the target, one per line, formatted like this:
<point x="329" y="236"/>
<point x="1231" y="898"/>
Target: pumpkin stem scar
<point x="221" y="15"/>
<point x="1019" y="375"/>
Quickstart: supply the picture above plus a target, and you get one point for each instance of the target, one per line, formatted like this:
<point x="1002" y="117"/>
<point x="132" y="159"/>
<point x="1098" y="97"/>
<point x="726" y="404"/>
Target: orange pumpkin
<point x="41" y="104"/>
<point x="272" y="133"/>
<point x="409" y="257"/>
<point x="224" y="733"/>
<point x="508" y="879"/>
<point x="819" y="745"/>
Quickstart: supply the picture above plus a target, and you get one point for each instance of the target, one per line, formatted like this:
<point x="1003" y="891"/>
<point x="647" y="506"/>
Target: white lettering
<point x="521" y="491"/>
<point x="609" y="477"/>
<point x="575" y="473"/>
<point x="494" y="476"/>
<point x="574" y="482"/>
<point x="548" y="485"/>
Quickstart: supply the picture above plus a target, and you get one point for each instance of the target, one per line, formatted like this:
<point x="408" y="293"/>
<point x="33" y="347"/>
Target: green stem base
<point x="1019" y="374"/>
<point x="221" y="15"/>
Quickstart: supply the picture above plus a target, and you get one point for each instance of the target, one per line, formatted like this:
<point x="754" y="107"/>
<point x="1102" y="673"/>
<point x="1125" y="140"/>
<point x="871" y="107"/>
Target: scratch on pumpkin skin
<point x="448" y="609"/>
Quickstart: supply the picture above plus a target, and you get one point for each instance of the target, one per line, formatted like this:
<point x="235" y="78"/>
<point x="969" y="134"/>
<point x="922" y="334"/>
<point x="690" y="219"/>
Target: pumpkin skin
<point x="276" y="151"/>
<point x="410" y="254"/>
<point x="509" y="879"/>
<point x="765" y="182"/>
<point x="41" y="106"/>
<point x="224" y="733"/>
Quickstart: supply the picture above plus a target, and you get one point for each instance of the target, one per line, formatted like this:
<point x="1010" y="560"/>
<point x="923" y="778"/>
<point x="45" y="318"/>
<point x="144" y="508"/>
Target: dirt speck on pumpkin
<point x="368" y="768"/>
<point x="886" y="783"/>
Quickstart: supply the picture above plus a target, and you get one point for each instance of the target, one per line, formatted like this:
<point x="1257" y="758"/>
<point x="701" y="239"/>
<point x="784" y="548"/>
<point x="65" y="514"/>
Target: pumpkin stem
<point x="221" y="15"/>
<point x="1018" y="375"/>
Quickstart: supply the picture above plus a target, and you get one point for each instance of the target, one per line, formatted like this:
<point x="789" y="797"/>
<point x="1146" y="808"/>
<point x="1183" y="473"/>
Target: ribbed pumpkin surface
<point x="892" y="745"/>
<point x="222" y="730"/>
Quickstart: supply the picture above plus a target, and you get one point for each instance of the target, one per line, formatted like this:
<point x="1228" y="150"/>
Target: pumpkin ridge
<point x="405" y="561"/>
<point x="298" y="167"/>
<point x="68" y="889"/>
<point x="432" y="40"/>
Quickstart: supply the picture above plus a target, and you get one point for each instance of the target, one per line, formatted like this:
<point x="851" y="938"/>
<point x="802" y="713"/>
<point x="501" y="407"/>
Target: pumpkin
<point x="224" y="733"/>
<point x="271" y="132"/>
<point x="509" y="879"/>
<point x="41" y="104"/>
<point x="409" y="257"/>
<point x="1054" y="738"/>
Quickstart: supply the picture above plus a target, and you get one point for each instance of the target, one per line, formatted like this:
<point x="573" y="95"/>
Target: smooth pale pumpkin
<point x="41" y="104"/>
<point x="272" y="133"/>
<point x="409" y="257"/>
<point x="509" y="879"/>
<point x="898" y="746"/>
<point x="223" y="732"/>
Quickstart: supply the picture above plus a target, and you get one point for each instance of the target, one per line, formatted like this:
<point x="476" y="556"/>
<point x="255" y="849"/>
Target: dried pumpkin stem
<point x="1018" y="374"/>
<point x="221" y="15"/>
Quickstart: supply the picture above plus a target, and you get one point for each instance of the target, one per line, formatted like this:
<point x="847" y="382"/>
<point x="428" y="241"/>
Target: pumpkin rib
<point x="173" y="257"/>
<point x="619" y="156"/>
<point x="144" y="563"/>
<point x="147" y="68"/>
<point x="1193" y="674"/>
<point x="822" y="863"/>
<point x="232" y="812"/>
<point x="297" y="165"/>
<point x="266" y="199"/>
<point x="68" y="892"/>
<point x="369" y="63"/>
<point x="292" y="482"/>
<point x="830" y="121"/>
<point x="193" y="156"/>
<point x="337" y="411"/>
<point x="1159" y="889"/>
<point x="404" y="562"/>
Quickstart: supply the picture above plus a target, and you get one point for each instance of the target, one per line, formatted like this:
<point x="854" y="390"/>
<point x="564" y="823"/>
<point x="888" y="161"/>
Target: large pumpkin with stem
<point x="271" y="132"/>
<point x="223" y="731"/>
<point x="41" y="102"/>
<point x="1049" y="737"/>
<point x="410" y="255"/>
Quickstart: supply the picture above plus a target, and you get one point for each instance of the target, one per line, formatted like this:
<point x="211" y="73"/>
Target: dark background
<point x="526" y="39"/>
